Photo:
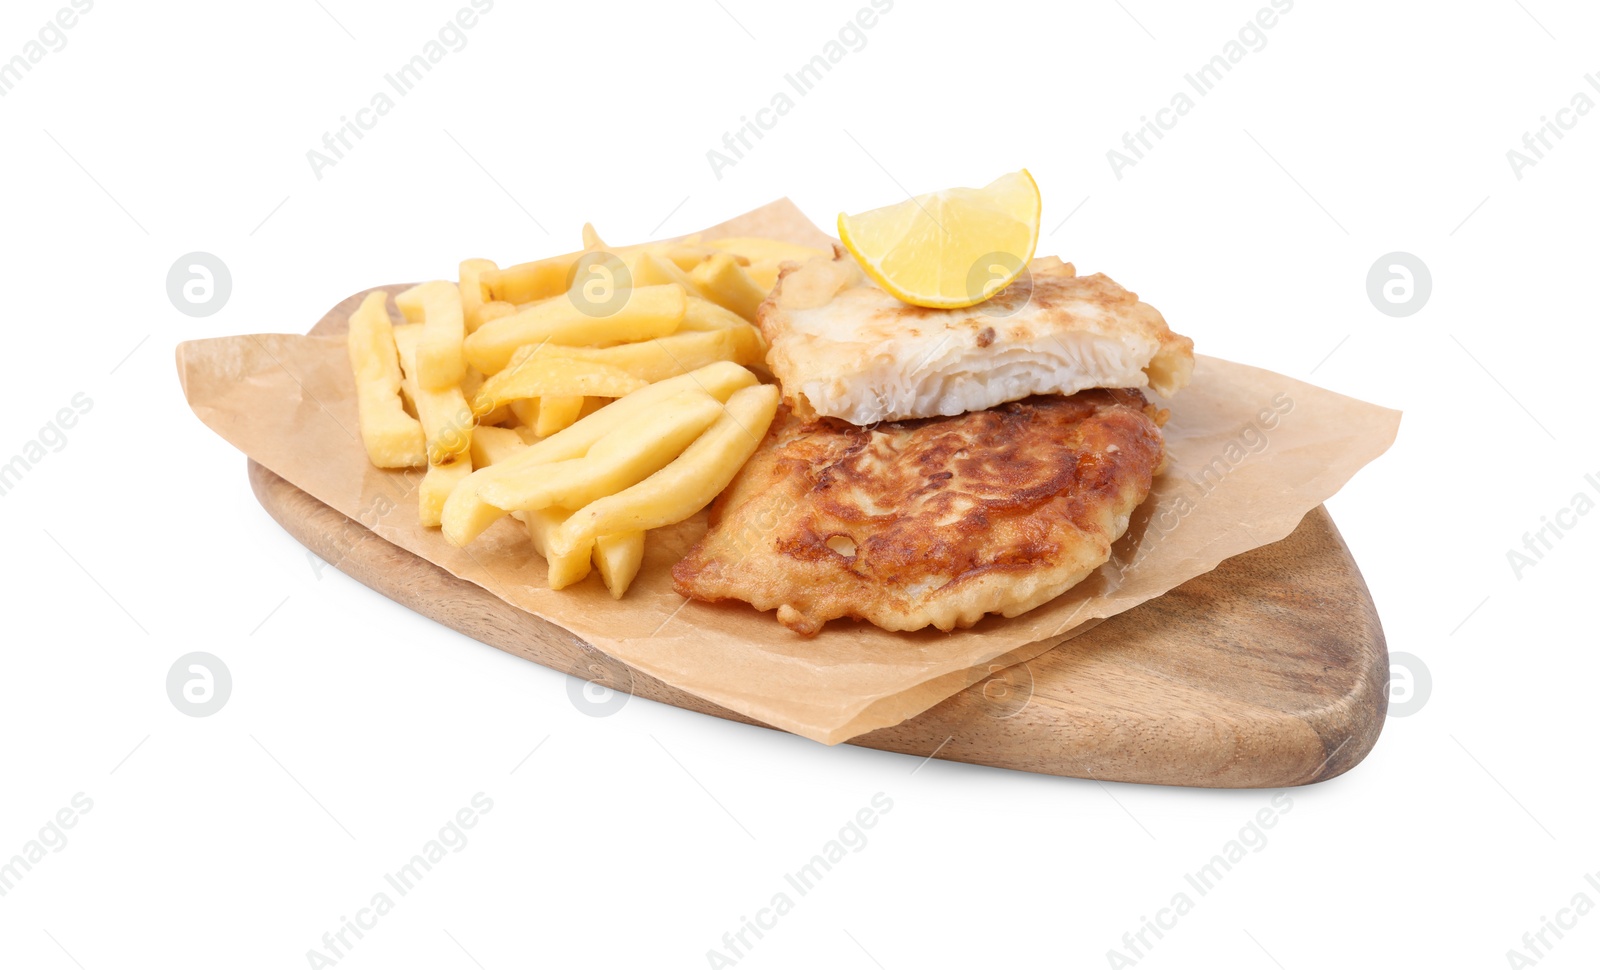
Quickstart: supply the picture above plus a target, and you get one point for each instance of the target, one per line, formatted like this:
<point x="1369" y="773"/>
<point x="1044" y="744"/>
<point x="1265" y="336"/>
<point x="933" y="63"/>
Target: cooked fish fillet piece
<point x="932" y="522"/>
<point x="846" y="349"/>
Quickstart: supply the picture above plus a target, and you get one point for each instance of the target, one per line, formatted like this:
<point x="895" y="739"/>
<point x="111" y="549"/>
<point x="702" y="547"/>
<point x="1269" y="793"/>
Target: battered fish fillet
<point x="932" y="522"/>
<point x="844" y="348"/>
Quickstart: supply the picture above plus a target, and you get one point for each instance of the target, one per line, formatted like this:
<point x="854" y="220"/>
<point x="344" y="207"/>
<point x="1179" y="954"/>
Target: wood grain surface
<point x="1269" y="671"/>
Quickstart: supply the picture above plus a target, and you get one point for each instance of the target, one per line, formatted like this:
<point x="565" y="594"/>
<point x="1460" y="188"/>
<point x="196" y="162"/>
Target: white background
<point x="356" y="728"/>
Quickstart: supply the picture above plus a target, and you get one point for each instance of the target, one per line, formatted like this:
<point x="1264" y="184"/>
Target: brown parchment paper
<point x="1250" y="453"/>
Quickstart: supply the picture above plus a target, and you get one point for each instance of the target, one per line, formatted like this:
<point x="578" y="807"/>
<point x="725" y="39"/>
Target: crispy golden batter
<point x="929" y="522"/>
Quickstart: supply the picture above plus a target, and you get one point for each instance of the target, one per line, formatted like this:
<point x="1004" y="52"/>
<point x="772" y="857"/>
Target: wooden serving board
<point x="1269" y="671"/>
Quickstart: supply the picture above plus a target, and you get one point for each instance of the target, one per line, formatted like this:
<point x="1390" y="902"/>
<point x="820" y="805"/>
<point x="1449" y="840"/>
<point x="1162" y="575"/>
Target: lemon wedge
<point x="954" y="248"/>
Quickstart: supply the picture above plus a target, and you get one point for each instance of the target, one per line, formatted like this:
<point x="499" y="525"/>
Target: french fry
<point x="492" y="445"/>
<point x="722" y="281"/>
<point x="494" y="310"/>
<point x="554" y="376"/>
<point x="437" y="484"/>
<point x="406" y="337"/>
<point x="557" y="412"/>
<point x="685" y="253"/>
<point x="442" y="478"/>
<point x="409" y="303"/>
<point x="473" y="292"/>
<point x="720" y="380"/>
<point x="765" y="256"/>
<point x="447" y="423"/>
<point x="564" y="570"/>
<point x="392" y="437"/>
<point x="652" y="270"/>
<point x="446" y="419"/>
<point x="702" y="314"/>
<point x="650" y="311"/>
<point x="472" y="382"/>
<point x="618" y="558"/>
<point x="684" y="257"/>
<point x="526" y="394"/>
<point x="527" y="415"/>
<point x="440" y="361"/>
<point x="526" y="282"/>
<point x="764" y="274"/>
<point x="466" y="514"/>
<point x="455" y="439"/>
<point x="620" y="459"/>
<point x="664" y="357"/>
<point x="471" y="386"/>
<point x="684" y="486"/>
<point x="549" y="277"/>
<point x="545" y="278"/>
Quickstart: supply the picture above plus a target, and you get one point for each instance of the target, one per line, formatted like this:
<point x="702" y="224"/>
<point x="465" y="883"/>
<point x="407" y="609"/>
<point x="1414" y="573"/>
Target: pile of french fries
<point x="591" y="396"/>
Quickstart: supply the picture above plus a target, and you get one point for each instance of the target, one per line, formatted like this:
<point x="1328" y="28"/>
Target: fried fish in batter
<point x="844" y="348"/>
<point x="928" y="522"/>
